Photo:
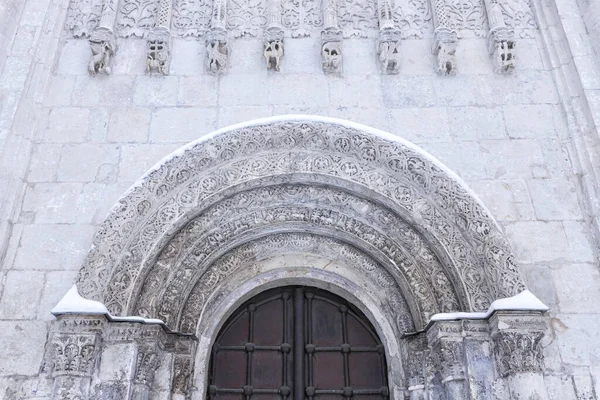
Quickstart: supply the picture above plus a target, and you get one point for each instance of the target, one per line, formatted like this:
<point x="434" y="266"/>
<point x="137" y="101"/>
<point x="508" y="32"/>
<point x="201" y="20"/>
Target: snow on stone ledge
<point x="73" y="303"/>
<point x="524" y="301"/>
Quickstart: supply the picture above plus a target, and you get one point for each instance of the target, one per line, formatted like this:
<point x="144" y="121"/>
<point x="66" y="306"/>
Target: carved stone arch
<point x="376" y="171"/>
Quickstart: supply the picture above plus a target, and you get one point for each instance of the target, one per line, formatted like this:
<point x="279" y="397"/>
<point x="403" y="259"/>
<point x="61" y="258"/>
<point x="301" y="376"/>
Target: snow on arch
<point x="366" y="162"/>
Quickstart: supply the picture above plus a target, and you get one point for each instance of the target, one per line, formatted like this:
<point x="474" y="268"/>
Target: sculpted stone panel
<point x="315" y="152"/>
<point x="519" y="17"/>
<point x="301" y="16"/>
<point x="73" y="354"/>
<point x="191" y="17"/>
<point x="136" y="17"/>
<point x="357" y="17"/>
<point x="414" y="19"/>
<point x="246" y="17"/>
<point x="83" y="17"/>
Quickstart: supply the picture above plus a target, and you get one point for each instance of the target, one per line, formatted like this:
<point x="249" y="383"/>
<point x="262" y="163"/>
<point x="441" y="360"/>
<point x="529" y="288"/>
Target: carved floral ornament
<point x="296" y="200"/>
<point x="445" y="21"/>
<point x="221" y="202"/>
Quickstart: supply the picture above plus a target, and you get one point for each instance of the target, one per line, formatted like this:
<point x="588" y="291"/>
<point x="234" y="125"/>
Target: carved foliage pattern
<point x="246" y="17"/>
<point x="190" y="251"/>
<point x="467" y="15"/>
<point x="301" y="16"/>
<point x="191" y="17"/>
<point x="136" y="17"/>
<point x="357" y="17"/>
<point x="518" y="352"/>
<point x="519" y="18"/>
<point x="163" y="201"/>
<point x="182" y="370"/>
<point x="83" y="17"/>
<point x="73" y="354"/>
<point x="414" y="19"/>
<point x="244" y="256"/>
<point x="146" y="364"/>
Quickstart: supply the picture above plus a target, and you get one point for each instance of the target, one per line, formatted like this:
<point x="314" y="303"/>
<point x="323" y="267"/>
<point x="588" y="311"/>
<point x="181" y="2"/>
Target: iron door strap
<point x="297" y="343"/>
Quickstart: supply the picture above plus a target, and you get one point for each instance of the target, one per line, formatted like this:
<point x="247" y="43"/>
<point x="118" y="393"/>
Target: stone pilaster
<point x="417" y="356"/>
<point x="158" y="45"/>
<point x="389" y="39"/>
<point x="479" y="364"/>
<point x="217" y="49"/>
<point x="500" y="41"/>
<point x="518" y="353"/>
<point x="446" y="344"/>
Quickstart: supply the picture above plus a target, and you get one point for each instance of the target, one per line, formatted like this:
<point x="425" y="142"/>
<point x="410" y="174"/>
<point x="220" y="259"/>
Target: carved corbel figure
<point x="273" y="51"/>
<point x="102" y="44"/>
<point x="389" y="50"/>
<point x="158" y="54"/>
<point x="331" y="50"/>
<point x="500" y="41"/>
<point x="444" y="48"/>
<point x="217" y="51"/>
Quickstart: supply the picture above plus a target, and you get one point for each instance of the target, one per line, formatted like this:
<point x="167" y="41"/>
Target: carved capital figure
<point x="389" y="50"/>
<point x="217" y="51"/>
<point x="158" y="54"/>
<point x="331" y="50"/>
<point x="517" y="343"/>
<point x="182" y="370"/>
<point x="444" y="48"/>
<point x="446" y="344"/>
<point x="102" y="44"/>
<point x="500" y="41"/>
<point x="273" y="51"/>
<point x="74" y="354"/>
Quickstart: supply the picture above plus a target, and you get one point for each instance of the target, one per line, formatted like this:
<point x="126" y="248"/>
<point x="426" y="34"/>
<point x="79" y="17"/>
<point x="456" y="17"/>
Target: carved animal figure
<point x="389" y="55"/>
<point x="101" y="54"/>
<point x="446" y="59"/>
<point x="157" y="60"/>
<point x="504" y="57"/>
<point x="331" y="54"/>
<point x="216" y="56"/>
<point x="273" y="53"/>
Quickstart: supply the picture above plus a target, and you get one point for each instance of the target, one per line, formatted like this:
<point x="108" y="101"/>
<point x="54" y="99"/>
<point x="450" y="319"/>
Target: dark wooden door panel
<point x="338" y="355"/>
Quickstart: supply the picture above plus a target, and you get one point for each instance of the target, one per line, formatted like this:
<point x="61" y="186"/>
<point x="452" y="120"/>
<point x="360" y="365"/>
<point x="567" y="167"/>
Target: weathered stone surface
<point x="420" y="125"/>
<point x="555" y="199"/>
<point x="67" y="124"/>
<point x="53" y="247"/>
<point x="129" y="125"/>
<point x="21" y="296"/>
<point x="577" y="288"/>
<point x="56" y="284"/>
<point x="85" y="162"/>
<point x="181" y="125"/>
<point x="24" y="341"/>
<point x="137" y="159"/>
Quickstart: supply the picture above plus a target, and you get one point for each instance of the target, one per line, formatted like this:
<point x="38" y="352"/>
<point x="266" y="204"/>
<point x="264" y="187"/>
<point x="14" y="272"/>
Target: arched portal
<point x="300" y="200"/>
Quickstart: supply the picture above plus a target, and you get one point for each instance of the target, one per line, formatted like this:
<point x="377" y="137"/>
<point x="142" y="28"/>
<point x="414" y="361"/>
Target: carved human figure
<point x="102" y="51"/>
<point x="389" y="55"/>
<point x="273" y="53"/>
<point x="331" y="53"/>
<point x="217" y="53"/>
<point x="157" y="57"/>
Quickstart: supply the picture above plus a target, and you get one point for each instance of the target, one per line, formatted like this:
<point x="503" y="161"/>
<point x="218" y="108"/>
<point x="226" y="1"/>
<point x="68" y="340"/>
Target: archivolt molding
<point x="293" y="251"/>
<point x="366" y="163"/>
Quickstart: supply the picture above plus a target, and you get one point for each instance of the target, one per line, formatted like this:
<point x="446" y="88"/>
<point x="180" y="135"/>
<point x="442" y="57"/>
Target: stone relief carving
<point x="301" y="16"/>
<point x="147" y="362"/>
<point x="519" y="17"/>
<point x="518" y="352"/>
<point x="271" y="246"/>
<point x="136" y="17"/>
<point x="83" y="17"/>
<point x="466" y="16"/>
<point x="273" y="37"/>
<point x="414" y="18"/>
<point x="73" y="354"/>
<point x="158" y="52"/>
<point x="389" y="56"/>
<point x="192" y="17"/>
<point x="444" y="48"/>
<point x="357" y="17"/>
<point x="217" y="51"/>
<point x="182" y="371"/>
<point x="246" y="18"/>
<point x="500" y="41"/>
<point x="102" y="44"/>
<point x="412" y="182"/>
<point x="389" y="39"/>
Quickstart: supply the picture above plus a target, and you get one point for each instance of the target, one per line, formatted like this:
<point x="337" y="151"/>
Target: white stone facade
<point x="523" y="136"/>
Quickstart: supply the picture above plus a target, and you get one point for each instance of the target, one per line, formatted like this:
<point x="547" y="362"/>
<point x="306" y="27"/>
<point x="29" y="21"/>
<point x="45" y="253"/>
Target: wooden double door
<point x="297" y="343"/>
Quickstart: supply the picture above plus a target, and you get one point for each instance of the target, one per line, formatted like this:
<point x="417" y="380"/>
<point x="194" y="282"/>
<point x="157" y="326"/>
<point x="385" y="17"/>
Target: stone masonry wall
<point x="72" y="144"/>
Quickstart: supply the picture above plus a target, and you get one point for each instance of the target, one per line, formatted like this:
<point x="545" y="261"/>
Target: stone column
<point x="445" y="39"/>
<point x="273" y="37"/>
<point x="102" y="40"/>
<point x="518" y="353"/>
<point x="331" y="39"/>
<point x="417" y="355"/>
<point x="158" y="46"/>
<point x="479" y="363"/>
<point x="217" y="49"/>
<point x="446" y="344"/>
<point x="74" y="355"/>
